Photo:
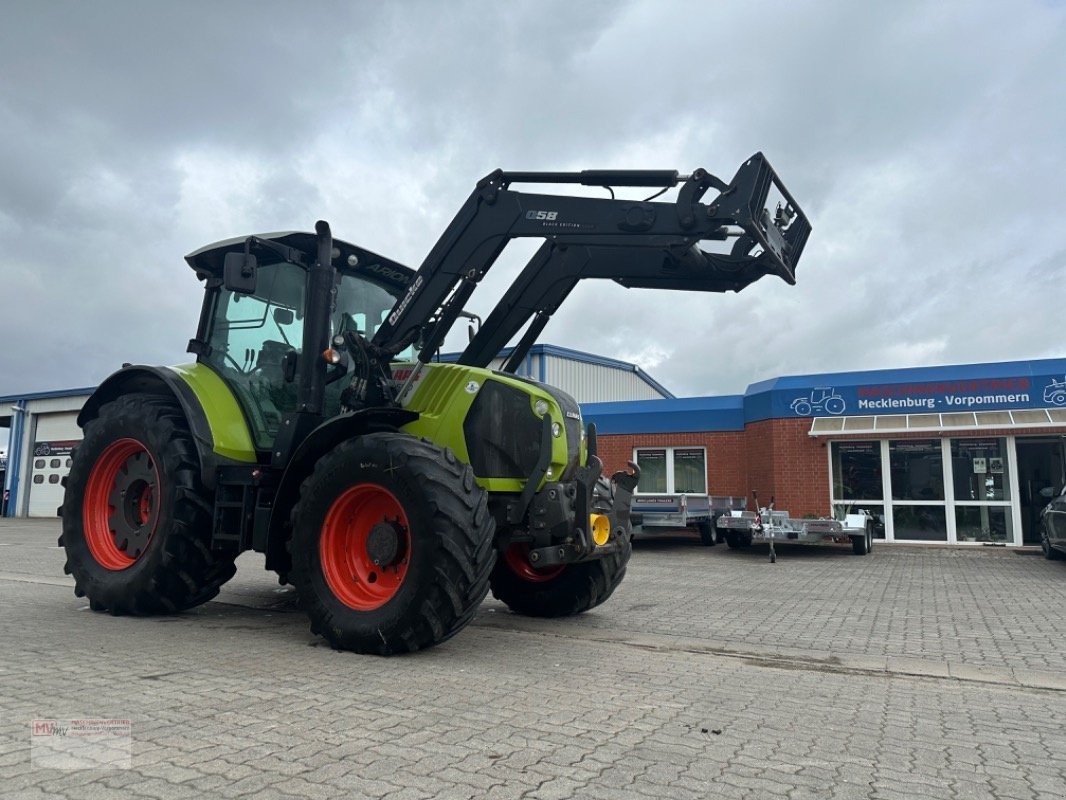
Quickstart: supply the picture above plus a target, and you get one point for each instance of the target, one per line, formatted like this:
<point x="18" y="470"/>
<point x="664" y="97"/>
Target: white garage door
<point x="55" y="437"/>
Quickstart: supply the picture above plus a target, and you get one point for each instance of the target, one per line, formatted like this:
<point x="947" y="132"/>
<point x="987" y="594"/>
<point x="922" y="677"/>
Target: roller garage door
<point x="54" y="438"/>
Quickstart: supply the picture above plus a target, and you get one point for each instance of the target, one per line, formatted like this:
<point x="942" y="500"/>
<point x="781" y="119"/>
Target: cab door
<point x="251" y="337"/>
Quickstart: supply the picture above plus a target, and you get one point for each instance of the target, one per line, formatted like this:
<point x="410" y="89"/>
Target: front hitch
<point x="593" y="535"/>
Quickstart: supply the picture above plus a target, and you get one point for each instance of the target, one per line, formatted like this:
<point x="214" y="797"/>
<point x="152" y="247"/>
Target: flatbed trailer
<point x="663" y="514"/>
<point x="744" y="528"/>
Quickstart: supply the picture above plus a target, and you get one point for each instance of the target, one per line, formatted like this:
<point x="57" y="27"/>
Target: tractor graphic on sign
<point x="822" y="399"/>
<point x="1055" y="393"/>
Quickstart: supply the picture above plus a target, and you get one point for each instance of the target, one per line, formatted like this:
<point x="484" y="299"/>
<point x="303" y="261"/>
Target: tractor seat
<point x="269" y="362"/>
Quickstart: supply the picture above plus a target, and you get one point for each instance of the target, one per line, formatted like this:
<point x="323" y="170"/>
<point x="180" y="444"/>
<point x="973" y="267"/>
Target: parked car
<point x="1053" y="527"/>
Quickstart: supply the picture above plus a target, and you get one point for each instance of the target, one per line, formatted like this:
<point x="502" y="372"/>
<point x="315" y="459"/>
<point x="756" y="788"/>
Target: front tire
<point x="561" y="591"/>
<point x="1050" y="553"/>
<point x="392" y="545"/>
<point x="136" y="518"/>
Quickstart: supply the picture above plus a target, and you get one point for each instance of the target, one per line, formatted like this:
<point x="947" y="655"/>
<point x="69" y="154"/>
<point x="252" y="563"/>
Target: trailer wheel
<point x="706" y="530"/>
<point x="565" y="590"/>
<point x="136" y="518"/>
<point x="860" y="544"/>
<point x="392" y="545"/>
<point x="737" y="541"/>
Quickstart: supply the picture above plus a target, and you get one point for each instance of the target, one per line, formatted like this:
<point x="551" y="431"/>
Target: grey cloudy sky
<point x="926" y="141"/>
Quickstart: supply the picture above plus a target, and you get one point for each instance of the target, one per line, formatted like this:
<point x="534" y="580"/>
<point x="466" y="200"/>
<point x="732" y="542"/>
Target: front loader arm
<point x="637" y="244"/>
<point x="556" y="269"/>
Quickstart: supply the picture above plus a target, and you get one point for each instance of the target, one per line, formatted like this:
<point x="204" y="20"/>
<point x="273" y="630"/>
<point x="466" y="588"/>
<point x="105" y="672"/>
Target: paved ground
<point x="911" y="673"/>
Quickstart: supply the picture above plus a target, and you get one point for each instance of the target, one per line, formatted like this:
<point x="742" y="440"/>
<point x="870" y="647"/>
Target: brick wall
<point x="786" y="463"/>
<point x="775" y="458"/>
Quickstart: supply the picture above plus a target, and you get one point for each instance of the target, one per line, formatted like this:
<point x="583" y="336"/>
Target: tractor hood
<point x="208" y="260"/>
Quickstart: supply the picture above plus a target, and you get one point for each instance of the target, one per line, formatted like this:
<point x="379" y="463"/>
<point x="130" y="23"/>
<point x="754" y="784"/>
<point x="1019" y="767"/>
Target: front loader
<point x="393" y="491"/>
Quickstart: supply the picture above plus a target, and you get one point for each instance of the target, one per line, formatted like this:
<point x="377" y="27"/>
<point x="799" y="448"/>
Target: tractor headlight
<point x="540" y="408"/>
<point x="557" y="430"/>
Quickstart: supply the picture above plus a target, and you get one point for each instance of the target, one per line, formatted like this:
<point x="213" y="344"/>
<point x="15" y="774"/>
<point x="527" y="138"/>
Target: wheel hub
<point x="386" y="543"/>
<point x="133" y="500"/>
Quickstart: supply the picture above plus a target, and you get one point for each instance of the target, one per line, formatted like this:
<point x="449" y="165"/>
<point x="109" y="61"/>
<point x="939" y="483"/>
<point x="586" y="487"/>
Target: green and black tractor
<point x="319" y="426"/>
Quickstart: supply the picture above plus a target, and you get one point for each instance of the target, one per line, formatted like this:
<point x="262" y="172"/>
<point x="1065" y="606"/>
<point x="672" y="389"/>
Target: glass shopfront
<point x="929" y="490"/>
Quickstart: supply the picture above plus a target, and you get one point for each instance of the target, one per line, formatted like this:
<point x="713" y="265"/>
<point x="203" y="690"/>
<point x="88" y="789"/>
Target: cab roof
<point x="208" y="260"/>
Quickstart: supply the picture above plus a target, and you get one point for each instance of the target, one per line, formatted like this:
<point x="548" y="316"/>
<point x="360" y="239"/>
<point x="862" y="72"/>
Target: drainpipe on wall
<point x="14" y="459"/>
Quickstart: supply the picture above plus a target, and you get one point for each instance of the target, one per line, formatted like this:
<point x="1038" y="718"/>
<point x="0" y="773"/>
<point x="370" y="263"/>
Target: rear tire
<point x="136" y="518"/>
<point x="561" y="592"/>
<point x="392" y="545"/>
<point x="860" y="544"/>
<point x="1050" y="553"/>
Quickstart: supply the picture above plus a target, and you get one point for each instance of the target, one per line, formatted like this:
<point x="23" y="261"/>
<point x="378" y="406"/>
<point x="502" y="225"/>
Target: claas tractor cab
<point x="391" y="490"/>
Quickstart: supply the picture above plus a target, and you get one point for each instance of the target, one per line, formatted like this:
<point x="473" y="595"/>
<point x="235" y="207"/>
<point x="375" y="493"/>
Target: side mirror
<point x="283" y="316"/>
<point x="239" y="272"/>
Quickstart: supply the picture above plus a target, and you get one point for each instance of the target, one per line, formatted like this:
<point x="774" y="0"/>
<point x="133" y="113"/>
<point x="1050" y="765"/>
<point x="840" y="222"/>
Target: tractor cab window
<point x="251" y="335"/>
<point x="360" y="305"/>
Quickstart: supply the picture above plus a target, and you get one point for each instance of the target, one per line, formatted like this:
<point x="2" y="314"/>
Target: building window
<point x="980" y="470"/>
<point x="690" y="470"/>
<point x="925" y="523"/>
<point x="858" y="481"/>
<point x="917" y="469"/>
<point x="857" y="471"/>
<point x="672" y="470"/>
<point x="917" y="472"/>
<point x="983" y="524"/>
<point x="652" y="465"/>
<point x="981" y="480"/>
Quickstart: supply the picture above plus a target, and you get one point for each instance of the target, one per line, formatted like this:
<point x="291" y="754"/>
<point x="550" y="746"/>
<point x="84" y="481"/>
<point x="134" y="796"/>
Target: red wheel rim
<point x="365" y="547"/>
<point x="120" y="511"/>
<point x="517" y="558"/>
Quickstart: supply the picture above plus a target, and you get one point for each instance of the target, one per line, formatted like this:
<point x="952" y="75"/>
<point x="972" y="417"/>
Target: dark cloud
<point x="924" y="140"/>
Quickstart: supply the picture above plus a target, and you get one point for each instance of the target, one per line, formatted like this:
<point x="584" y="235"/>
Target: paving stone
<point x="707" y="675"/>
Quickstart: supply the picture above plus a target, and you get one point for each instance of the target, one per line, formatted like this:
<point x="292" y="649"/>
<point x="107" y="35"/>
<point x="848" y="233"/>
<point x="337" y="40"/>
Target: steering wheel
<point x="233" y="361"/>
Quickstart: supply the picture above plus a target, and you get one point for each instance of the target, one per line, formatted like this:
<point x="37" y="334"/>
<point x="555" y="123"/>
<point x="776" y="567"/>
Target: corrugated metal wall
<point x="595" y="383"/>
<point x="585" y="382"/>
